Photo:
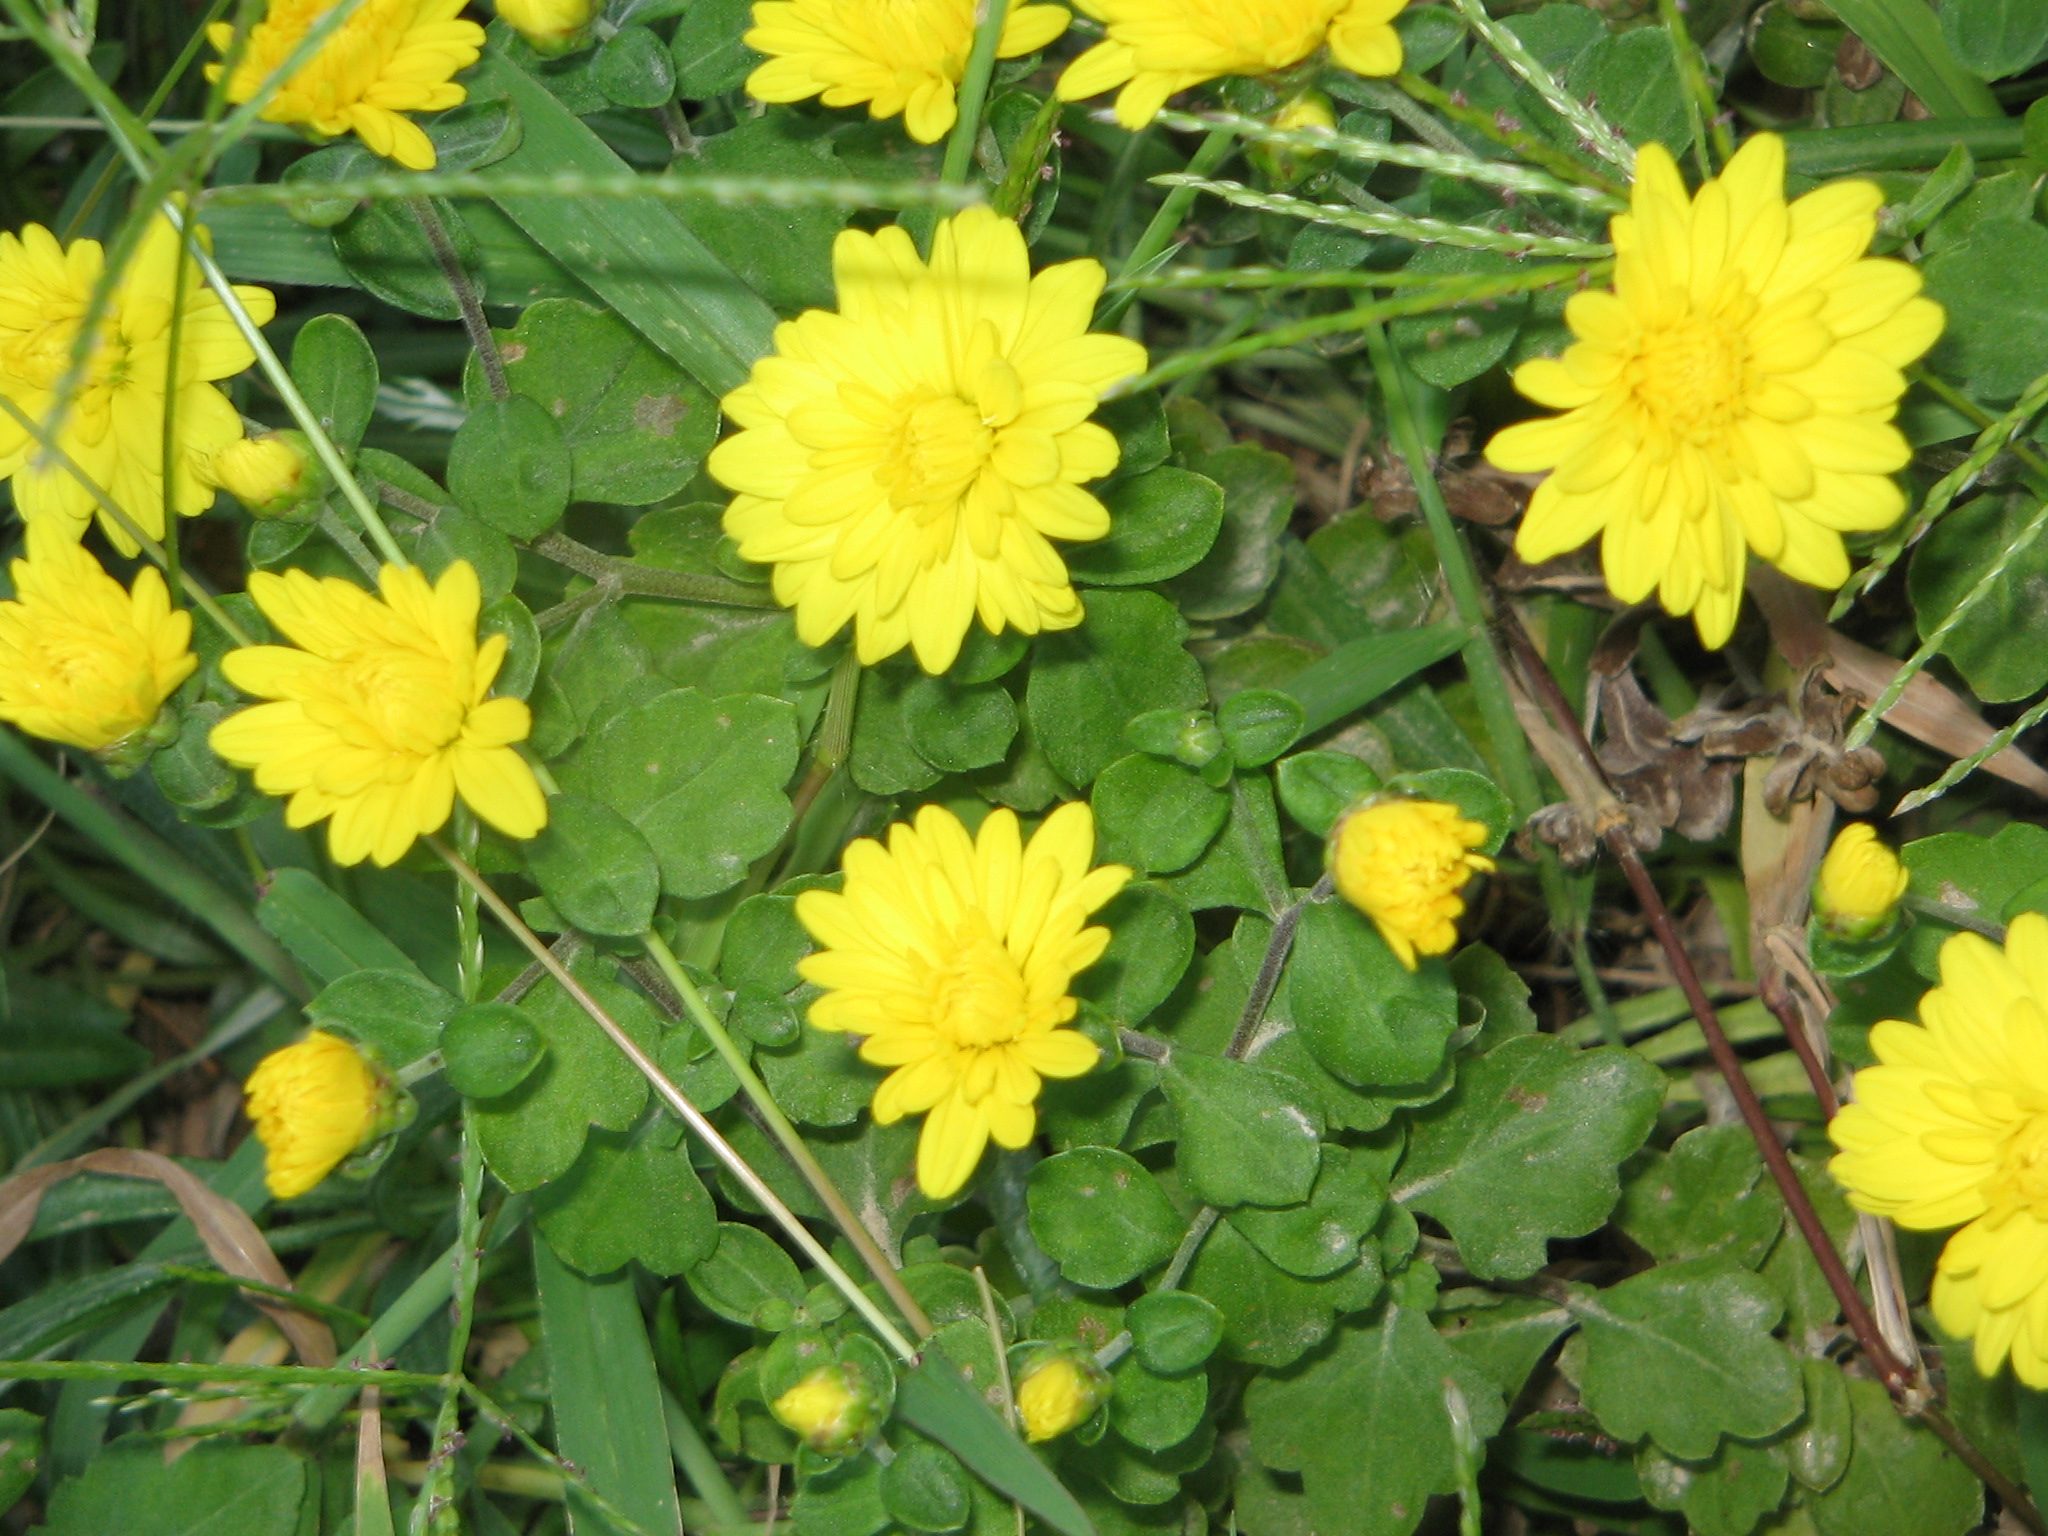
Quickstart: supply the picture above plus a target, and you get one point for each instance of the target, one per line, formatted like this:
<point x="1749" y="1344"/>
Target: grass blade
<point x="934" y="1399"/>
<point x="1907" y="37"/>
<point x="1353" y="675"/>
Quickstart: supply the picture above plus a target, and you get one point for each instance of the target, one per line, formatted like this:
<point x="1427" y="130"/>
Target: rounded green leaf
<point x="634" y="69"/>
<point x="1173" y="1331"/>
<point x="489" y="1049"/>
<point x="1362" y="1014"/>
<point x="1160" y="523"/>
<point x="1102" y="1216"/>
<point x="337" y="373"/>
<point x="1247" y="1136"/>
<point x="1317" y="787"/>
<point x="1259" y="724"/>
<point x="958" y="728"/>
<point x="925" y="1489"/>
<point x="509" y="466"/>
<point x="595" y="868"/>
<point x="1790" y="50"/>
<point x="1154" y="815"/>
<point x="747" y="1276"/>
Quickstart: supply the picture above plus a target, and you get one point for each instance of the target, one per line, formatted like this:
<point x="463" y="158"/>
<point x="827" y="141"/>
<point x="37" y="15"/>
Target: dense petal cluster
<point x="1736" y="387"/>
<point x="1952" y="1127"/>
<point x="388" y="58"/>
<point x="84" y="661"/>
<point x="1157" y="47"/>
<point x="906" y="458"/>
<point x="1403" y="862"/>
<point x="380" y="711"/>
<point x="313" y="1104"/>
<point x="112" y="425"/>
<point x="1860" y="882"/>
<point x="902" y="57"/>
<point x="952" y="956"/>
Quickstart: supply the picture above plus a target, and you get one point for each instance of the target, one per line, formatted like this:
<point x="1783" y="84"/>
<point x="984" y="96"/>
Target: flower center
<point x="2022" y="1176"/>
<point x="978" y="996"/>
<point x="396" y="701"/>
<point x="939" y="446"/>
<point x="43" y="356"/>
<point x="1692" y="377"/>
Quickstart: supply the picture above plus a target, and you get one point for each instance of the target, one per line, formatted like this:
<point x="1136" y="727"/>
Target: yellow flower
<point x="82" y="661"/>
<point x="907" y="457"/>
<point x="268" y="474"/>
<point x="1402" y="862"/>
<point x="952" y="956"/>
<point x="1059" y="1393"/>
<point x="899" y="56"/>
<point x="382" y="715"/>
<point x="1860" y="883"/>
<point x="391" y="56"/>
<point x="1311" y="109"/>
<point x="551" y="27"/>
<point x="1737" y="385"/>
<point x="113" y="428"/>
<point x="1157" y="47"/>
<point x="1952" y="1127"/>
<point x="313" y="1104"/>
<point x="826" y="1409"/>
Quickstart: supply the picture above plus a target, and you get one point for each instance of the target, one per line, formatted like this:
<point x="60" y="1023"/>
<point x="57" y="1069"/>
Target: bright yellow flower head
<point x="952" y="955"/>
<point x="391" y="56"/>
<point x="1738" y="385"/>
<point x="266" y="474"/>
<point x="550" y="27"/>
<point x="827" y="1410"/>
<point x="114" y="426"/>
<point x="907" y="457"/>
<point x="382" y="714"/>
<point x="1059" y="1394"/>
<point x="1158" y="47"/>
<point x="1402" y="862"/>
<point x="82" y="661"/>
<point x="313" y="1104"/>
<point x="899" y="56"/>
<point x="1860" y="882"/>
<point x="1952" y="1127"/>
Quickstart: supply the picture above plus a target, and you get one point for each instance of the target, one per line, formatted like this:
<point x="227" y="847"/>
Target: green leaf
<point x="1817" y="1450"/>
<point x="1504" y="1336"/>
<point x="1155" y="1412"/>
<point x="782" y="253"/>
<point x="1154" y="815"/>
<point x="636" y="425"/>
<point x="633" y="69"/>
<point x="1160" y="523"/>
<point x="925" y="1488"/>
<point x="1683" y="1353"/>
<point x="700" y="777"/>
<point x="214" y="1489"/>
<point x="397" y="1014"/>
<point x="1724" y="1495"/>
<point x="630" y="1197"/>
<point x="882" y="760"/>
<point x="763" y="942"/>
<point x="1525" y="1148"/>
<point x="1319" y="786"/>
<point x="1272" y="1318"/>
<point x="1173" y="1331"/>
<point x="490" y="1049"/>
<point x="710" y="58"/>
<point x="594" y="867"/>
<point x="746" y="1276"/>
<point x="21" y="1451"/>
<point x="1450" y="347"/>
<point x="1125" y="658"/>
<point x="819" y="1078"/>
<point x="337" y="373"/>
<point x="509" y="466"/>
<point x="1363" y="1015"/>
<point x="1908" y="38"/>
<point x="1706" y="1197"/>
<point x="1484" y="978"/>
<point x="933" y="1398"/>
<point x="1151" y="940"/>
<point x="1791" y="50"/>
<point x="1632" y="78"/>
<point x="387" y="255"/>
<point x="1901" y="1480"/>
<point x="842" y="1498"/>
<point x="2001" y="645"/>
<point x="1321" y="1236"/>
<point x="1101" y="1216"/>
<point x="958" y="728"/>
<point x="1367" y="1426"/>
<point x="324" y="933"/>
<point x="1259" y="724"/>
<point x="606" y="1396"/>
<point x="1356" y="673"/>
<point x="1258" y="499"/>
<point x="1245" y="1137"/>
<point x="1995" y="38"/>
<point x="1994" y="286"/>
<point x="1979" y="878"/>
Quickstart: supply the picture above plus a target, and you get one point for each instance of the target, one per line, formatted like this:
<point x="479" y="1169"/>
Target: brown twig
<point x="1778" y="998"/>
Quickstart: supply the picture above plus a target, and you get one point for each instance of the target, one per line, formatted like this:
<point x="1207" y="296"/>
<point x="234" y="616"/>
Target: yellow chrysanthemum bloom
<point x="551" y="27"/>
<point x="1158" y="47"/>
<point x="382" y="714"/>
<point x="83" y="661"/>
<point x="1952" y="1127"/>
<point x="390" y="57"/>
<point x="1058" y="1394"/>
<point x="826" y="1410"/>
<point x="1860" y="883"/>
<point x="313" y="1104"/>
<point x="952" y="955"/>
<point x="1738" y="385"/>
<point x="901" y="57"/>
<point x="113" y="428"/>
<point x="906" y="458"/>
<point x="1403" y="862"/>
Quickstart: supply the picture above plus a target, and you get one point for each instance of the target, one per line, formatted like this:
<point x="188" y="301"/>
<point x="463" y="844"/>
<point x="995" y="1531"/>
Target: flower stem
<point x="474" y="323"/>
<point x="1165" y="224"/>
<point x="990" y="16"/>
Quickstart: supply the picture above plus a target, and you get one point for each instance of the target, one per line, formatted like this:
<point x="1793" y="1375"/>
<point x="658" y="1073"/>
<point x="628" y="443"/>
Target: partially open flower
<point x="314" y="1104"/>
<point x="1060" y="1392"/>
<point x="1403" y="862"/>
<point x="1857" y="892"/>
<point x="272" y="475"/>
<point x="831" y="1409"/>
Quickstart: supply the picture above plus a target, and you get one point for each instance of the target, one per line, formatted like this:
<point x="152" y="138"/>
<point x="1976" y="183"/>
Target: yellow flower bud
<point x="1857" y="892"/>
<point x="272" y="475"/>
<point x="1311" y="109"/>
<point x="1402" y="862"/>
<point x="314" y="1104"/>
<point x="551" y="27"/>
<point x="1060" y="1393"/>
<point x="827" y="1409"/>
<point x="84" y="661"/>
<point x="1287" y="165"/>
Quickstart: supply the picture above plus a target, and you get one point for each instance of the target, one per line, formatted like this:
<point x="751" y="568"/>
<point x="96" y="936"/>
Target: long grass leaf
<point x="935" y="1399"/>
<point x="1907" y="37"/>
<point x="1353" y="675"/>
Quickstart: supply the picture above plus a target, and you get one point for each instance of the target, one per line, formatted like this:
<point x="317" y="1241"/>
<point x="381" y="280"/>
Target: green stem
<point x="990" y="16"/>
<point x="434" y="1490"/>
<point x="1158" y="235"/>
<point x="686" y="1443"/>
<point x="1702" y="109"/>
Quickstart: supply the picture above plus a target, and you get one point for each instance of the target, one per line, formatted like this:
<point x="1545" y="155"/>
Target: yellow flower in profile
<point x="1860" y="883"/>
<point x="901" y="57"/>
<point x="1158" y="47"/>
<point x="382" y="714"/>
<point x="1737" y="386"/>
<point x="1951" y="1127"/>
<point x="313" y="1104"/>
<point x="906" y="459"/>
<point x="389" y="57"/>
<point x="1058" y="1394"/>
<point x="112" y="427"/>
<point x="271" y="475"/>
<point x="1403" y="862"/>
<point x="82" y="660"/>
<point x="952" y="956"/>
<point x="827" y="1409"/>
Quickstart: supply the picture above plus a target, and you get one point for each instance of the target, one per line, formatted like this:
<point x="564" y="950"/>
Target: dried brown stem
<point x="1778" y="998"/>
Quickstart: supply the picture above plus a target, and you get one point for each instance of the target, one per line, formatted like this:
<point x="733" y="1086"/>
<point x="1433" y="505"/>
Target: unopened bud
<point x="831" y="1410"/>
<point x="274" y="476"/>
<point x="1285" y="165"/>
<point x="1856" y="896"/>
<point x="551" y="27"/>
<point x="1060" y="1391"/>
